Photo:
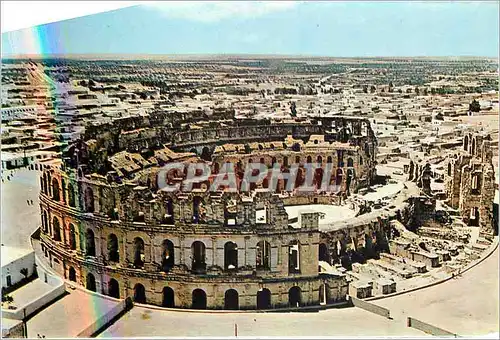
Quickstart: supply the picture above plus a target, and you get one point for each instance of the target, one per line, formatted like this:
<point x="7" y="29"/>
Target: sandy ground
<point x="68" y="316"/>
<point x="141" y="322"/>
<point x="466" y="305"/>
<point x="19" y="219"/>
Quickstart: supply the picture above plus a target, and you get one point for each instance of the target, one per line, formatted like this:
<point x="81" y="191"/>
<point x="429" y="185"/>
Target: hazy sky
<point x="342" y="29"/>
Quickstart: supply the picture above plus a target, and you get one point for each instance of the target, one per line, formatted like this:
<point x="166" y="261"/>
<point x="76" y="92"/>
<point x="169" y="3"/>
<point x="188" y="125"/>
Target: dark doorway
<point x="139" y="252"/>
<point x="231" y="300"/>
<point x="139" y="293"/>
<point x="199" y="299"/>
<point x="90" y="243"/>
<point x="167" y="260"/>
<point x="113" y="254"/>
<point x="91" y="282"/>
<point x="114" y="289"/>
<point x="72" y="274"/>
<point x="264" y="299"/>
<point x="168" y="298"/>
<point x="295" y="296"/>
<point x="198" y="253"/>
<point x="230" y="256"/>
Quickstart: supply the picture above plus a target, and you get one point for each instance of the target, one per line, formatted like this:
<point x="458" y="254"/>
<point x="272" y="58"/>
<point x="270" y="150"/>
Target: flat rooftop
<point x="10" y="254"/>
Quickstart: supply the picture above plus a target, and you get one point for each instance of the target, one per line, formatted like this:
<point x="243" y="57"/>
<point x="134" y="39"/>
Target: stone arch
<point x="45" y="222"/>
<point x="90" y="282"/>
<point x="198" y="251"/>
<point x="168" y="297"/>
<point x="139" y="255"/>
<point x="264" y="299"/>
<point x="199" y="299"/>
<point x="295" y="296"/>
<point x="56" y="229"/>
<point x="231" y="300"/>
<point x="90" y="243"/>
<point x="72" y="237"/>
<point x="139" y="293"/>
<point x="167" y="256"/>
<point x="55" y="190"/>
<point x="263" y="255"/>
<point x="113" y="249"/>
<point x="114" y="288"/>
<point x="71" y="196"/>
<point x="89" y="200"/>
<point x="230" y="256"/>
<point x="72" y="274"/>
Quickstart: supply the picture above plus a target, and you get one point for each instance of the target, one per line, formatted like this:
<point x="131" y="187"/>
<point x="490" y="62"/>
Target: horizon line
<point x="224" y="55"/>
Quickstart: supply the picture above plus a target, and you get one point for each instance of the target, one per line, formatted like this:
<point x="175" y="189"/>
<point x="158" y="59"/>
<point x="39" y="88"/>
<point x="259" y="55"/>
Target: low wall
<point x="106" y="319"/>
<point x="370" y="307"/>
<point x="428" y="328"/>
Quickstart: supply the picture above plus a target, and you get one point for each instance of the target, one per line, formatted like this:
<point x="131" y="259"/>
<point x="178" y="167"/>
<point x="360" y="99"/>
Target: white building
<point x="13" y="261"/>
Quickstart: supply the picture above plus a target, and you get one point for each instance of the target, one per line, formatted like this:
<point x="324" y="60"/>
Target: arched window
<point x="449" y="169"/>
<point x="71" y="196"/>
<point x="295" y="296"/>
<point x="230" y="256"/>
<point x="114" y="289"/>
<point x="45" y="186"/>
<point x="139" y="293"/>
<point x="263" y="255"/>
<point x="89" y="200"/>
<point x="473" y="147"/>
<point x="199" y="299"/>
<point x="285" y="161"/>
<point x="63" y="188"/>
<point x="72" y="237"/>
<point x="466" y="143"/>
<point x="231" y="300"/>
<point x="113" y="251"/>
<point x="264" y="299"/>
<point x="319" y="160"/>
<point x="294" y="257"/>
<point x="56" y="227"/>
<point x="297" y="160"/>
<point x="167" y="259"/>
<point x="329" y="160"/>
<point x="198" y="255"/>
<point x="168" y="298"/>
<point x="72" y="274"/>
<point x="90" y="243"/>
<point x="350" y="162"/>
<point x="45" y="222"/>
<point x="55" y="190"/>
<point x="139" y="256"/>
<point x="309" y="159"/>
<point x="90" y="284"/>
